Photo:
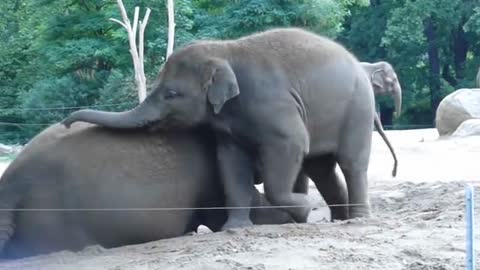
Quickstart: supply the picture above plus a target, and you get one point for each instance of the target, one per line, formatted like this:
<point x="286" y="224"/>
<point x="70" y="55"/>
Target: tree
<point x="428" y="43"/>
<point x="137" y="52"/>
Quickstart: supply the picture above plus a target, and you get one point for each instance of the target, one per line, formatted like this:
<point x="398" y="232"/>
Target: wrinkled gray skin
<point x="280" y="101"/>
<point x="92" y="167"/>
<point x="385" y="82"/>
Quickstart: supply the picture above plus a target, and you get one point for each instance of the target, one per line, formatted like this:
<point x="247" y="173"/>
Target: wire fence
<point x="177" y="208"/>
<point x="68" y="107"/>
<point x="387" y="127"/>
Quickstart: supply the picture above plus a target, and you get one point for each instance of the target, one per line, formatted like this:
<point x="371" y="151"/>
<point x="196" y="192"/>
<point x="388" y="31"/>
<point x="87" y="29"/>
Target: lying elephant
<point x="95" y="168"/>
<point x="281" y="101"/>
<point x="385" y="82"/>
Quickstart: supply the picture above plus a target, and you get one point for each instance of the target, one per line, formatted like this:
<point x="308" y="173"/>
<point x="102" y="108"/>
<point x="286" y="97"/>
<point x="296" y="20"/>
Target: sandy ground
<point x="417" y="223"/>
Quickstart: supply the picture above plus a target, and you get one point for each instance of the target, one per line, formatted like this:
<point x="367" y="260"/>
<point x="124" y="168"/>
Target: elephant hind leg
<point x="321" y="170"/>
<point x="7" y="229"/>
<point x="281" y="165"/>
<point x="353" y="153"/>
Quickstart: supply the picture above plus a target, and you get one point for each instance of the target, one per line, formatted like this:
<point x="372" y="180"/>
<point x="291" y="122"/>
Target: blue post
<point x="469" y="200"/>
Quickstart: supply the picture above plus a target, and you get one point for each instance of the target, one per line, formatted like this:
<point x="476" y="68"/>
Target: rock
<point x="461" y="105"/>
<point x="469" y="127"/>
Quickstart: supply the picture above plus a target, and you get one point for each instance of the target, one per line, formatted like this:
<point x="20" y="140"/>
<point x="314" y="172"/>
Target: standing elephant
<point x="279" y="101"/>
<point x="385" y="82"/>
<point x="95" y="168"/>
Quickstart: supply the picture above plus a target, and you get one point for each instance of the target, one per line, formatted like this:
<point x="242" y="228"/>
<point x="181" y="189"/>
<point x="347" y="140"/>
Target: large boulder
<point x="461" y="105"/>
<point x="469" y="127"/>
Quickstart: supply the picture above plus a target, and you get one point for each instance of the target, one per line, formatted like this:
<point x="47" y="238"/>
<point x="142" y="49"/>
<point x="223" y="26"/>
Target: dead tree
<point x="171" y="27"/>
<point x="136" y="52"/>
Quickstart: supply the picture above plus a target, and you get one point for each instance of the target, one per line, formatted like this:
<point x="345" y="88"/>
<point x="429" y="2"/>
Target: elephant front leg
<point x="281" y="163"/>
<point x="237" y="176"/>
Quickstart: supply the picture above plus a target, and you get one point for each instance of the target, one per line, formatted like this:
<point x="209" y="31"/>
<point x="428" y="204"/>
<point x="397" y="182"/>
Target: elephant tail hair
<point x="378" y="126"/>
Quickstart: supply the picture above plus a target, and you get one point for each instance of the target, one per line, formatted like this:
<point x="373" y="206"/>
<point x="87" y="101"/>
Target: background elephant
<point x="91" y="167"/>
<point x="277" y="100"/>
<point x="385" y="82"/>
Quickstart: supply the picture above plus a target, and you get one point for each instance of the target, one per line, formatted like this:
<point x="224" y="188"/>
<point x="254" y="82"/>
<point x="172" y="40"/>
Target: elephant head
<point x="385" y="81"/>
<point x="190" y="88"/>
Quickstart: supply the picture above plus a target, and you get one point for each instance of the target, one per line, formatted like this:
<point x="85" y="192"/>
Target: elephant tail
<point x="378" y="126"/>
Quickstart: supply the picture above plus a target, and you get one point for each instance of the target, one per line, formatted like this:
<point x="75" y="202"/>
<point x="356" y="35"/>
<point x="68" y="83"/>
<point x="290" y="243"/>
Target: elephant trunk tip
<point x="66" y="123"/>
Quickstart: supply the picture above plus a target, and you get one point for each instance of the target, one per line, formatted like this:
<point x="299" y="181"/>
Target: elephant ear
<point x="221" y="83"/>
<point x="377" y="78"/>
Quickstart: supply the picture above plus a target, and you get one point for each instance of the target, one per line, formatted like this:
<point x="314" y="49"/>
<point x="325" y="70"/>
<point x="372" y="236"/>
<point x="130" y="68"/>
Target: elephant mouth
<point x="164" y="125"/>
<point x="156" y="125"/>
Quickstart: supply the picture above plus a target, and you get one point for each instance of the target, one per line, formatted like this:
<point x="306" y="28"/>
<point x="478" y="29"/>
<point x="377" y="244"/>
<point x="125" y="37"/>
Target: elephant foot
<point x="236" y="224"/>
<point x="338" y="213"/>
<point x="359" y="212"/>
<point x="300" y="214"/>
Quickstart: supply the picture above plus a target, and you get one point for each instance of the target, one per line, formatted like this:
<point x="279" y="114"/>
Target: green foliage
<point x="244" y="17"/>
<point x="55" y="93"/>
<point x="428" y="67"/>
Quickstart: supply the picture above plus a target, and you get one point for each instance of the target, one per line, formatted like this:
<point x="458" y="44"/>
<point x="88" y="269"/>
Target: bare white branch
<point x="123" y="12"/>
<point x="171" y="27"/>
<point x="137" y="53"/>
<point x="135" y="23"/>
<point x="143" y="25"/>
<point x="119" y="22"/>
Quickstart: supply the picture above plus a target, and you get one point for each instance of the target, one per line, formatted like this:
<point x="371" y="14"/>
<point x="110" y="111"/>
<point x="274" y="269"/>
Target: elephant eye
<point x="171" y="94"/>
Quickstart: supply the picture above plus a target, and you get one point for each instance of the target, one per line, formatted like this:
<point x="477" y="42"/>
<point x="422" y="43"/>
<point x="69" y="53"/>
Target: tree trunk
<point x="386" y="116"/>
<point x="447" y="76"/>
<point x="460" y="46"/>
<point x="434" y="64"/>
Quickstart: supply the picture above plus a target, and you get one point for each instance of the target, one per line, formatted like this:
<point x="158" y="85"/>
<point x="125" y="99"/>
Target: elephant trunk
<point x="139" y="116"/>
<point x="397" y="99"/>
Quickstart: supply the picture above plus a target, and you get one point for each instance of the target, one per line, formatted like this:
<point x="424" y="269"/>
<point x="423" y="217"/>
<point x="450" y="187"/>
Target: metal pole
<point x="469" y="201"/>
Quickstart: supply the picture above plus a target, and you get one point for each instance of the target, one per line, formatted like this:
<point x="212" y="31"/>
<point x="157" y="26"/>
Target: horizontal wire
<point x="66" y="108"/>
<point x="172" y="208"/>
<point x="54" y="108"/>
<point x="24" y="124"/>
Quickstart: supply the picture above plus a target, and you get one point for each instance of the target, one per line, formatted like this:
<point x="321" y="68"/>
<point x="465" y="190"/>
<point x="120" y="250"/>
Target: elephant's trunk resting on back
<point x="140" y="116"/>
